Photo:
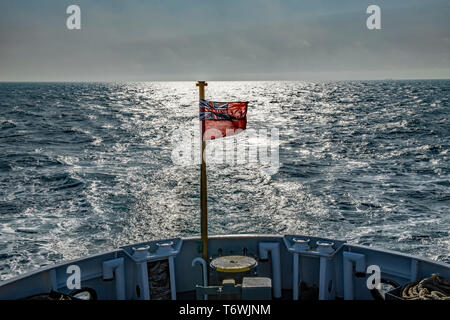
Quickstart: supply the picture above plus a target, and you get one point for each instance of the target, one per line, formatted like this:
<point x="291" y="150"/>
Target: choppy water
<point x="87" y="167"/>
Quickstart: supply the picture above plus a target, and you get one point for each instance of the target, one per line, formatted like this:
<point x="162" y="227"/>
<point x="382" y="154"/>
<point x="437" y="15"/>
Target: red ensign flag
<point x="222" y="119"/>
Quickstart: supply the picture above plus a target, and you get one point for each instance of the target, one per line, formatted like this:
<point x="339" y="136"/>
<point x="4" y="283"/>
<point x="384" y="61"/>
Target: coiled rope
<point x="434" y="288"/>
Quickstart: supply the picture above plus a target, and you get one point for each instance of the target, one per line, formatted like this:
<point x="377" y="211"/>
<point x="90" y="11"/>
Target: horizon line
<point x="228" y="80"/>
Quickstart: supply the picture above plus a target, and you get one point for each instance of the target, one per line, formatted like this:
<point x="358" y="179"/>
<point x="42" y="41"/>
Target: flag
<point x="221" y="119"/>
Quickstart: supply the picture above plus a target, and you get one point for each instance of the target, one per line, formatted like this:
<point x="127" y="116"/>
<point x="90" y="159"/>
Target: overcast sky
<point x="223" y="40"/>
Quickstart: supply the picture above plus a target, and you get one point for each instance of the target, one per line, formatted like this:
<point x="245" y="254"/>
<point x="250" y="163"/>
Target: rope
<point x="434" y="288"/>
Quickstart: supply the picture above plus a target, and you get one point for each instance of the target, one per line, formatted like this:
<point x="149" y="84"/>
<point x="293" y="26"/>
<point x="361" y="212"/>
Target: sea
<point x="88" y="167"/>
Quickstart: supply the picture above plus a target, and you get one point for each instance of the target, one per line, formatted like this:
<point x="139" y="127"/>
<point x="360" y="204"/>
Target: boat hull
<point x="346" y="272"/>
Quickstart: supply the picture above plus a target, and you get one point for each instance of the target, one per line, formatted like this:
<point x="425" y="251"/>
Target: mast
<point x="203" y="191"/>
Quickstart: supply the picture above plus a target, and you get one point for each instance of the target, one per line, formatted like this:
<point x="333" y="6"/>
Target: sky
<point x="152" y="40"/>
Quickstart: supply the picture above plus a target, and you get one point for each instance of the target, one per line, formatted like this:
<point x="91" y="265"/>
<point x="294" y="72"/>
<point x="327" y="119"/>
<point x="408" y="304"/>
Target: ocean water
<point x="86" y="167"/>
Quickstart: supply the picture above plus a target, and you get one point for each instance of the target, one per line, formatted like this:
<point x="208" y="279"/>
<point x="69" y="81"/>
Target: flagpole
<point x="203" y="194"/>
